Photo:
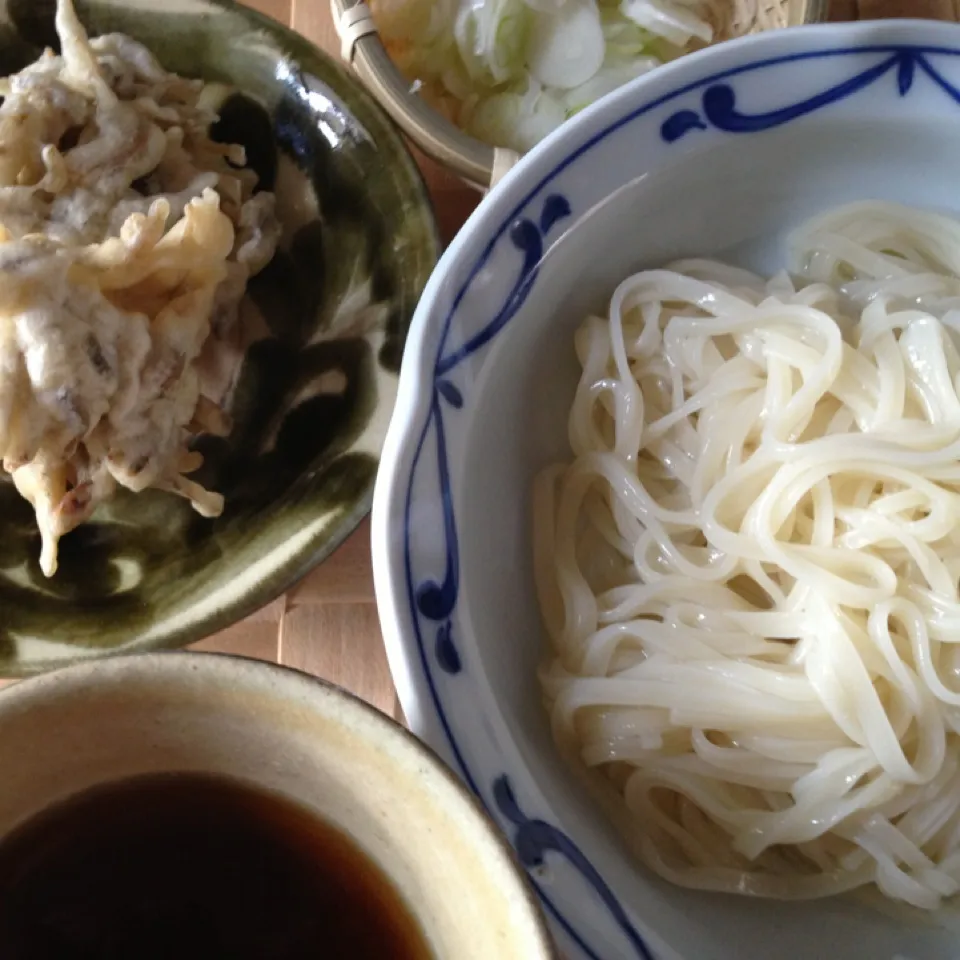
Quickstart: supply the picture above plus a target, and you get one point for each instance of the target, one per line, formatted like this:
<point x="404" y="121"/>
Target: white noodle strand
<point x="749" y="571"/>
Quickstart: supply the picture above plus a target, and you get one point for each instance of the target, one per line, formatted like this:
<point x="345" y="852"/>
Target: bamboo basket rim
<point x="475" y="162"/>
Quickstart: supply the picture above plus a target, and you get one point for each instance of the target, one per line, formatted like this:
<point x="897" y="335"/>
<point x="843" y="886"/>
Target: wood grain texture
<point x="340" y="642"/>
<point x="278" y="9"/>
<point x="345" y="578"/>
<point x="453" y="201"/>
<point x="843" y="10"/>
<point x="259" y="639"/>
<point x="313" y="19"/>
<point x="926" y="9"/>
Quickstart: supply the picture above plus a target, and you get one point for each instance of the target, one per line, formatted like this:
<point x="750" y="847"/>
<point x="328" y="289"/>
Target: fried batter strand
<point x="127" y="238"/>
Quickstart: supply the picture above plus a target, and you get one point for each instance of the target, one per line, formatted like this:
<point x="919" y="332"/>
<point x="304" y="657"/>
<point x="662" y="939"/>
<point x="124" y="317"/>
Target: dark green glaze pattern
<point x="307" y="392"/>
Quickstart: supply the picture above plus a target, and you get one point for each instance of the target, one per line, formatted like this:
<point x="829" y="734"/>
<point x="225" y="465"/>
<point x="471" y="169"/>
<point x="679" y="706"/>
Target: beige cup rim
<point x="355" y="714"/>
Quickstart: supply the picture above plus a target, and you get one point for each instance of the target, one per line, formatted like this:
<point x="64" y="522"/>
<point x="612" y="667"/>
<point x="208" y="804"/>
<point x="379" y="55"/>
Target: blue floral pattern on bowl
<point x="709" y="104"/>
<point x="719" y="101"/>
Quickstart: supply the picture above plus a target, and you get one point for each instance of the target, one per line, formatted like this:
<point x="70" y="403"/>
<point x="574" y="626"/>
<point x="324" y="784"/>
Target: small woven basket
<point x="474" y="161"/>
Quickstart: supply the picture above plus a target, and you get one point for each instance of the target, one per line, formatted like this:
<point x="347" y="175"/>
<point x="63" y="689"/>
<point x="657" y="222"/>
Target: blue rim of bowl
<point x="428" y="601"/>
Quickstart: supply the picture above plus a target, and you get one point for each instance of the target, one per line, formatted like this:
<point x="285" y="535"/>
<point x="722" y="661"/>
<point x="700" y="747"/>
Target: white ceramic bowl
<point x="720" y="153"/>
<point x="290" y="734"/>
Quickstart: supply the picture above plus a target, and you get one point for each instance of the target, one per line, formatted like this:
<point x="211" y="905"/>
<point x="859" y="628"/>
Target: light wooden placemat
<point x="878" y="9"/>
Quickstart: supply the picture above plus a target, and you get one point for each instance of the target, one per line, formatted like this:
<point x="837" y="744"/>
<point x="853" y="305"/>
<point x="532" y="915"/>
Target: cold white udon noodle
<point x="749" y="570"/>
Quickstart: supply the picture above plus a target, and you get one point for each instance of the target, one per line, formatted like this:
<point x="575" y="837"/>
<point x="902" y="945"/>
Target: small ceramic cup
<point x="291" y="734"/>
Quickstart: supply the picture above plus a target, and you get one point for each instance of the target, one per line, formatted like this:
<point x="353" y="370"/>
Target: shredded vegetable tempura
<point x="127" y="237"/>
<point x="511" y="71"/>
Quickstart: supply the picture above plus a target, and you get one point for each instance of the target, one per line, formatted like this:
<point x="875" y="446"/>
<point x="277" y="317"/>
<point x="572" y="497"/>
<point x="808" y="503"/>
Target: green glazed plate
<point x="315" y="393"/>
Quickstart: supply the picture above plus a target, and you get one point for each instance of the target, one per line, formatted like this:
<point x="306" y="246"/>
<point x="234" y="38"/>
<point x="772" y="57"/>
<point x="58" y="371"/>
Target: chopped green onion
<point x="511" y="71"/>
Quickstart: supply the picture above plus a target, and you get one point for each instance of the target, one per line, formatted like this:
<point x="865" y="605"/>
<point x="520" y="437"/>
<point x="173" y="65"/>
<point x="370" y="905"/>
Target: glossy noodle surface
<point x="748" y="569"/>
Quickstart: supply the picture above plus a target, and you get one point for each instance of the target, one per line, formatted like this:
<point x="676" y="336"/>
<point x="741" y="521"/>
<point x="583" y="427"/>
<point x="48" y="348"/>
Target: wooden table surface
<point x="328" y="625"/>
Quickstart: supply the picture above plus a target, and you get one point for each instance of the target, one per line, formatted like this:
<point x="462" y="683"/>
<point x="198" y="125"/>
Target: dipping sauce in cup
<point x="187" y="804"/>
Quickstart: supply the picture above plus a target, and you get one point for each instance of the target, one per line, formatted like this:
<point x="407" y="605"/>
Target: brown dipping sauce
<point x="183" y="866"/>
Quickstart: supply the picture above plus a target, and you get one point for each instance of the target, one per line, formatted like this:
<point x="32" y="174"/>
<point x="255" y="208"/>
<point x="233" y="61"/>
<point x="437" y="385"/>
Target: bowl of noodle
<point x="666" y="534"/>
<point x="211" y="244"/>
